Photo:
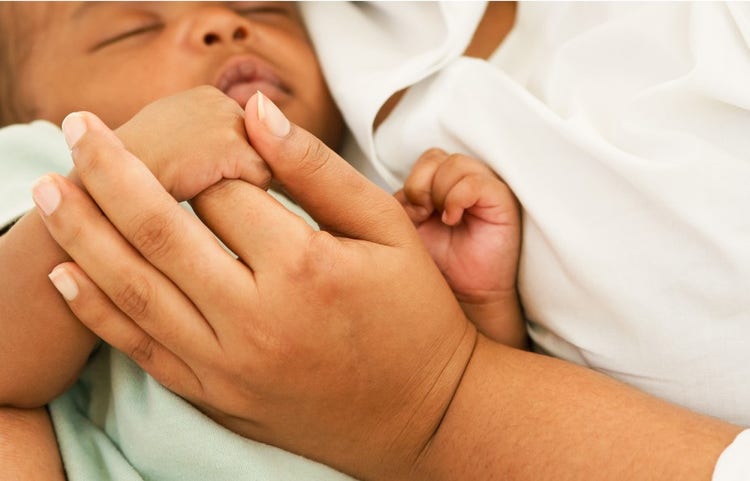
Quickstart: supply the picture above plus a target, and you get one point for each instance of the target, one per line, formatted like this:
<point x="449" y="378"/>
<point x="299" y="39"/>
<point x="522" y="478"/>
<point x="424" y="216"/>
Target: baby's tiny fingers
<point x="418" y="186"/>
<point x="416" y="213"/>
<point x="465" y="194"/>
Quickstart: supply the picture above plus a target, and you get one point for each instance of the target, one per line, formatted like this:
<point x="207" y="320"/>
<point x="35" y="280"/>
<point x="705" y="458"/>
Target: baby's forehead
<point x="29" y="18"/>
<point x="21" y="23"/>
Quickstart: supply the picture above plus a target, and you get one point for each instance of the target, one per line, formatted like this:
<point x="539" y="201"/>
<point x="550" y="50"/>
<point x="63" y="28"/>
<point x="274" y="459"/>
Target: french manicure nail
<point x="64" y="283"/>
<point x="272" y="117"/>
<point x="73" y="127"/>
<point x="46" y="195"/>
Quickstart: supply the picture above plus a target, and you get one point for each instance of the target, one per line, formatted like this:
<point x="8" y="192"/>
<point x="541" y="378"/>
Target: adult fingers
<point x="254" y="225"/>
<point x="324" y="184"/>
<point x="147" y="216"/>
<point x="96" y="310"/>
<point x="134" y="285"/>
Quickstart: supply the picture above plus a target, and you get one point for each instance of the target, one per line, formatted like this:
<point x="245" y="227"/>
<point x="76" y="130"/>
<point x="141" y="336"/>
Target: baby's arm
<point x="43" y="346"/>
<point x="469" y="221"/>
<point x="28" y="448"/>
<point x="190" y="141"/>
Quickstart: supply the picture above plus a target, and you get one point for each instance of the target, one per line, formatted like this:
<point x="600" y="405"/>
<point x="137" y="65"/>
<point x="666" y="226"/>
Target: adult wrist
<point x="430" y="462"/>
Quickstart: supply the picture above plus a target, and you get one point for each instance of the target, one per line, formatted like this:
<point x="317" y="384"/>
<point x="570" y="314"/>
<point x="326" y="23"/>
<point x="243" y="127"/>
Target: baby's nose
<point x="216" y="26"/>
<point x="217" y="36"/>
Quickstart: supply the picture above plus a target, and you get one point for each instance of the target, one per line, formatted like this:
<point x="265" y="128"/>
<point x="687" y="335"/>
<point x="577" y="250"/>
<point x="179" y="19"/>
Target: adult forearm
<point x="518" y="415"/>
<point x="28" y="448"/>
<point x="43" y="345"/>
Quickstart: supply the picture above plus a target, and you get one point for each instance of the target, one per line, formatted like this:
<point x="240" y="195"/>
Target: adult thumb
<point x="325" y="185"/>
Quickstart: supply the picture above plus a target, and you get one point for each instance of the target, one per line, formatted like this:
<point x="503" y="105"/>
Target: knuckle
<point x="95" y="150"/>
<point x="135" y="297"/>
<point x="433" y="153"/>
<point x="207" y="90"/>
<point x="455" y="160"/>
<point x="429" y="159"/>
<point x="314" y="158"/>
<point x="222" y="101"/>
<point x="142" y="352"/>
<point x="86" y="153"/>
<point x="318" y="260"/>
<point x="264" y="177"/>
<point x="71" y="234"/>
<point x="417" y="191"/>
<point x="153" y="234"/>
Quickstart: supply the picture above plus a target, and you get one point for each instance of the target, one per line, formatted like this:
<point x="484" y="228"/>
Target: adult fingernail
<point x="64" y="283"/>
<point x="272" y="117"/>
<point x="46" y="195"/>
<point x="73" y="127"/>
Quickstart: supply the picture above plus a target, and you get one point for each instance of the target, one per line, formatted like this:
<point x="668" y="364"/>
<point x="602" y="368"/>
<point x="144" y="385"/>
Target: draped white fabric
<point x="624" y="130"/>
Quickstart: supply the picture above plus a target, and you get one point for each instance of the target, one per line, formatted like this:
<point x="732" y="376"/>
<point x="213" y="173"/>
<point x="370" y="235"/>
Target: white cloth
<point x="733" y="463"/>
<point x="624" y="130"/>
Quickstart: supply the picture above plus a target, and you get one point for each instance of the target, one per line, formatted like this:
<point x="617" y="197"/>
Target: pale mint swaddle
<point x="118" y="423"/>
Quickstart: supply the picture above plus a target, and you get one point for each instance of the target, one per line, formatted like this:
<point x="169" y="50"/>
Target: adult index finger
<point x="325" y="185"/>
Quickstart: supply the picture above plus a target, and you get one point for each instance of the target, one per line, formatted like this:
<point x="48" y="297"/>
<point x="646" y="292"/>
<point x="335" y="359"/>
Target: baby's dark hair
<point x="14" y="49"/>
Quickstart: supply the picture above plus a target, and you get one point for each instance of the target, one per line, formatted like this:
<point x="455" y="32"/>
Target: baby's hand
<point x="469" y="221"/>
<point x="192" y="140"/>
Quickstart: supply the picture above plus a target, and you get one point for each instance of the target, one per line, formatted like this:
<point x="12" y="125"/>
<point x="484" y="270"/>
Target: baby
<point x="114" y="59"/>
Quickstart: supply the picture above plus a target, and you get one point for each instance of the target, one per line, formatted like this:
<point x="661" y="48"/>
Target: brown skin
<point x="27" y="446"/>
<point x="43" y="345"/>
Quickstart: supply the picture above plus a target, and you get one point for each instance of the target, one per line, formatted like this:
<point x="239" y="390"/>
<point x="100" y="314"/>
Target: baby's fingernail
<point x="64" y="283"/>
<point x="272" y="117"/>
<point x="46" y="194"/>
<point x="73" y="127"/>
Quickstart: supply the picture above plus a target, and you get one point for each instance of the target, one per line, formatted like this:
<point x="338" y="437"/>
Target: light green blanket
<point x="117" y="423"/>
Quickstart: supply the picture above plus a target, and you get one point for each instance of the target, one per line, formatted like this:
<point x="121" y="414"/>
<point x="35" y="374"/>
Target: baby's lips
<point x="245" y="69"/>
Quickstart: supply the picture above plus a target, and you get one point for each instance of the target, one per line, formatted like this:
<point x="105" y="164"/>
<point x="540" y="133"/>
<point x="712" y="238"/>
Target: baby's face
<point x="114" y="58"/>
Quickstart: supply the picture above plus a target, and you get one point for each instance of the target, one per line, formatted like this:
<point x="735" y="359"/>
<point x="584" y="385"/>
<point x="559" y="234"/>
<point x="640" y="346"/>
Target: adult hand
<point x="345" y="345"/>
